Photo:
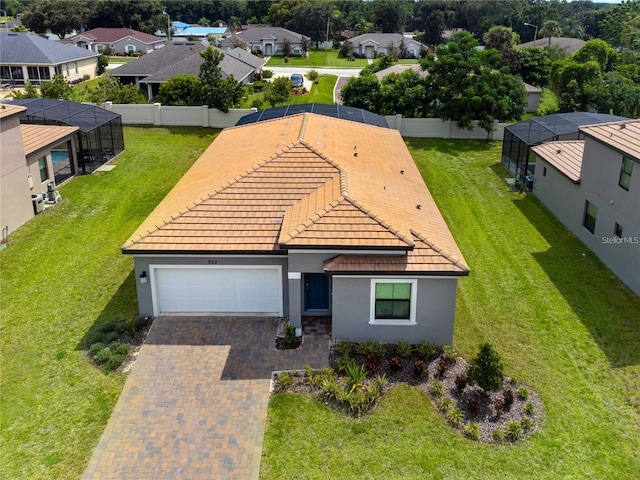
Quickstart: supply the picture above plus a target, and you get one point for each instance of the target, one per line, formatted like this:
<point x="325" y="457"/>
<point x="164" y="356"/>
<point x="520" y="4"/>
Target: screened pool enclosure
<point x="98" y="140"/>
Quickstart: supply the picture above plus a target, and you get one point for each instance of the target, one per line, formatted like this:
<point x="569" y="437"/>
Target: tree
<point x="465" y="84"/>
<point x="143" y="15"/>
<point x="216" y="91"/>
<point x="346" y="49"/>
<point x="391" y="15"/>
<point x="61" y="17"/>
<point x="205" y="22"/>
<point x="57" y="87"/>
<point x="285" y="47"/>
<point x="103" y="63"/>
<point x="109" y="89"/>
<point x="402" y="93"/>
<point x="361" y="92"/>
<point x="281" y="12"/>
<point x="533" y="65"/>
<point x="598" y="51"/>
<point x="310" y="19"/>
<point x="504" y="40"/>
<point x="486" y="368"/>
<point x="550" y="28"/>
<point x="278" y="91"/>
<point x="30" y="91"/>
<point x="617" y="28"/>
<point x="433" y="29"/>
<point x="180" y="90"/>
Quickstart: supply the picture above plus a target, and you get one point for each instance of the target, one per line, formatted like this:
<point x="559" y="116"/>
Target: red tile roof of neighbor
<point x="110" y="35"/>
<point x="565" y="156"/>
<point x="622" y="136"/>
<point x="304" y="181"/>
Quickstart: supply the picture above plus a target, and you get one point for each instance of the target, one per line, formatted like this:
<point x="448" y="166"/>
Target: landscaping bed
<point x="361" y="373"/>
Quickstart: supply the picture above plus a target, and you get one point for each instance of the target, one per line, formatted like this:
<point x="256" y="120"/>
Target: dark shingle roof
<point x="252" y="34"/>
<point x="158" y="60"/>
<point x="29" y="49"/>
<point x="568" y="45"/>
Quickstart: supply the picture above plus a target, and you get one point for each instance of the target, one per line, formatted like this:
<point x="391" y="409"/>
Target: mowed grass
<point x="63" y="275"/>
<point x="321" y="92"/>
<point x="317" y="58"/>
<point x="561" y="321"/>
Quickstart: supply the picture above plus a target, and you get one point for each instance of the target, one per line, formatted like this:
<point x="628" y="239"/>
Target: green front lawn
<point x="62" y="275"/>
<point x="317" y="58"/>
<point x="561" y="321"/>
<point x="322" y="92"/>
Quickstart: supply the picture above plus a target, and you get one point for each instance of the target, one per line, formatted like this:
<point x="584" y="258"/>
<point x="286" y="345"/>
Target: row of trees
<point x="583" y="19"/>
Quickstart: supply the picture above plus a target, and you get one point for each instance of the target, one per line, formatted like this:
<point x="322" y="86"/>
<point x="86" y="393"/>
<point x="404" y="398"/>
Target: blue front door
<point x="316" y="290"/>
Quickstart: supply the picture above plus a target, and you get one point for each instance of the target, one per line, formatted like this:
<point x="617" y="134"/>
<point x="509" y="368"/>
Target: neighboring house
<point x="593" y="187"/>
<point x="155" y="68"/>
<point x="25" y="57"/>
<point x="121" y="41"/>
<point x="370" y="45"/>
<point x="566" y="44"/>
<point x="533" y="98"/>
<point x="28" y="166"/>
<point x="264" y="40"/>
<point x="184" y="31"/>
<point x="304" y="215"/>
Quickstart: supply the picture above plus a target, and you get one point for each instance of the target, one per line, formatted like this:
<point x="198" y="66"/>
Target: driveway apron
<point x="195" y="404"/>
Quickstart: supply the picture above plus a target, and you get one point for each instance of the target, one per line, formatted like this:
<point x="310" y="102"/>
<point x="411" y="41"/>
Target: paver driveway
<point x="195" y="404"/>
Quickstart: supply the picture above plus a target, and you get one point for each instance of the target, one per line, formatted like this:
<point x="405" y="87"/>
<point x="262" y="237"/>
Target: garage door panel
<point x="218" y="290"/>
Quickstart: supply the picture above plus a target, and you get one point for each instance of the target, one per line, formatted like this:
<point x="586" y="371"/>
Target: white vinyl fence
<point x="159" y="115"/>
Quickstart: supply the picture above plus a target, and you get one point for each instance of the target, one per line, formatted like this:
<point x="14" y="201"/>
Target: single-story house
<point x="184" y="31"/>
<point x="25" y="57"/>
<point x="264" y="40"/>
<point x="593" y="187"/>
<point x="157" y="67"/>
<point x="303" y="215"/>
<point x="122" y="41"/>
<point x="567" y="44"/>
<point x="400" y="68"/>
<point x="370" y="45"/>
<point x="28" y="166"/>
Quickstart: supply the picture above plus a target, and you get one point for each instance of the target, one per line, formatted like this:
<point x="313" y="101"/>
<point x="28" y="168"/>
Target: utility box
<point x="38" y="203"/>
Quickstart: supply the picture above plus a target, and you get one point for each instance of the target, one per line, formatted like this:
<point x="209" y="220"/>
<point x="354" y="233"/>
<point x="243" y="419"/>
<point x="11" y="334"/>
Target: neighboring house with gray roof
<point x="568" y="45"/>
<point x="119" y="40"/>
<point x="25" y="57"/>
<point x="370" y="45"/>
<point x="264" y="40"/>
<point x="157" y="67"/>
<point x="400" y="68"/>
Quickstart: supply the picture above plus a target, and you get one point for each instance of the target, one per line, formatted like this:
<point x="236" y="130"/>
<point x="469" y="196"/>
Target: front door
<point x="316" y="291"/>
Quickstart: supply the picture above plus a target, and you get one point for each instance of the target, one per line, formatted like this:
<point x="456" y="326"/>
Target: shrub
<point x="473" y="406"/>
<point x="110" y="337"/>
<point x="403" y="349"/>
<point x="342" y="363"/>
<point x="426" y="350"/>
<point x="371" y="363"/>
<point x="523" y="393"/>
<point x="96" y="347"/>
<point x="289" y="336"/>
<point x="513" y="431"/>
<point x="378" y="384"/>
<point x="312" y="75"/>
<point x="508" y="397"/>
<point x="461" y="381"/>
<point x="437" y="389"/>
<point x="472" y="430"/>
<point x="419" y="368"/>
<point x="356" y="374"/>
<point x="529" y="408"/>
<point x="257" y="103"/>
<point x="395" y="363"/>
<point x="442" y="366"/>
<point x="102" y="356"/>
<point x="285" y="379"/>
<point x="446" y="404"/>
<point x="486" y="368"/>
<point x="455" y="416"/>
<point x="267" y="74"/>
<point x="344" y="348"/>
<point x="308" y="371"/>
<point x="375" y="348"/>
<point x="114" y="361"/>
<point x="498" y="435"/>
<point x="527" y="423"/>
<point x="331" y="388"/>
<point x="450" y="353"/>
<point x="498" y="404"/>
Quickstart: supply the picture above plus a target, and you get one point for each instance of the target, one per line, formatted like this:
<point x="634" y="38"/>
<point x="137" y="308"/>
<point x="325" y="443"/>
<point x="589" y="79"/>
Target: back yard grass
<point x="561" y="321"/>
<point x="62" y="276"/>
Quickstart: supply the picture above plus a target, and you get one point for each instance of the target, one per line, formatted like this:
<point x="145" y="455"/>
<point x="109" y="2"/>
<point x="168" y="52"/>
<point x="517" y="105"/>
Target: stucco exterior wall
<point x="559" y="194"/>
<point x="142" y="264"/>
<point x="16" y="207"/>
<point x="121" y="45"/>
<point x="78" y="69"/>
<point x="435" y="310"/>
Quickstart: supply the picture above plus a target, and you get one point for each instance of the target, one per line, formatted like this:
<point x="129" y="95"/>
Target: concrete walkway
<point x="195" y="404"/>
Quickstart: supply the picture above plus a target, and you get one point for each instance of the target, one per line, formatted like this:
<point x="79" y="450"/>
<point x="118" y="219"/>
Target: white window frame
<point x="411" y="321"/>
<point x="130" y="48"/>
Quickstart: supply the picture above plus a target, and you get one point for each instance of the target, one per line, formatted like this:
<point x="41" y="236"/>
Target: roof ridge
<point x="303" y="227"/>
<point x="344" y="177"/>
<point x="380" y="221"/>
<point x="457" y="262"/>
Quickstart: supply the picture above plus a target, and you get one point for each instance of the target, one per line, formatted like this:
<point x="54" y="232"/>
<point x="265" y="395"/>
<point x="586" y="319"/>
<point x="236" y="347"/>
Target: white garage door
<point x="222" y="290"/>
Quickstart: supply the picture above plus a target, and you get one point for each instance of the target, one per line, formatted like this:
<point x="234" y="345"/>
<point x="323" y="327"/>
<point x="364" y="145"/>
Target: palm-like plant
<point x="550" y="28"/>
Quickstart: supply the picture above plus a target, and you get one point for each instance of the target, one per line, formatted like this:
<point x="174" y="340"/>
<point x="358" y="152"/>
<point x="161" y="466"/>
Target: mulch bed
<point x="477" y="405"/>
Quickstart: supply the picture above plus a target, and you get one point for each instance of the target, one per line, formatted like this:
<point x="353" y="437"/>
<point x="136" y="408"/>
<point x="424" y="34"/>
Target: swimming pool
<point x="59" y="156"/>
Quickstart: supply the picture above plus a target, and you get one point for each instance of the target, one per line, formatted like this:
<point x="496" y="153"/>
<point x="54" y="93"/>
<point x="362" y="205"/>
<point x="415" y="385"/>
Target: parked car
<point x="297" y="80"/>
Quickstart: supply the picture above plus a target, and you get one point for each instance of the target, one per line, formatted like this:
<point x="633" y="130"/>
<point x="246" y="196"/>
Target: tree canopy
<point x="61" y="17"/>
<point x="216" y="91"/>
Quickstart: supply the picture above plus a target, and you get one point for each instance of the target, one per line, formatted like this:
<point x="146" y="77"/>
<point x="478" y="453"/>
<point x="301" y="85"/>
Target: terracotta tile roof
<point x="623" y="136"/>
<point x="7" y="110"/>
<point x="36" y="137"/>
<point x="112" y="35"/>
<point x="565" y="156"/>
<point x="300" y="181"/>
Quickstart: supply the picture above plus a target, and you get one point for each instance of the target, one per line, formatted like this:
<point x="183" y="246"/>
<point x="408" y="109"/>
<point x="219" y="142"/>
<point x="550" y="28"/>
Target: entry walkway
<point x="195" y="404"/>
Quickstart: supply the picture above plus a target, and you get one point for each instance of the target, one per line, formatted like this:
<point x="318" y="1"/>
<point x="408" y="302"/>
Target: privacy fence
<point x="159" y="115"/>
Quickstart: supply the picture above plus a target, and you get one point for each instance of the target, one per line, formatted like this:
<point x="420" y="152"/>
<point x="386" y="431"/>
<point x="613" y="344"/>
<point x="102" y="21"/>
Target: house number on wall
<point x="213" y="262"/>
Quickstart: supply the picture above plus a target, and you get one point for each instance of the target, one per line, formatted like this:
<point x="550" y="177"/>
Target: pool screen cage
<point x="99" y="137"/>
<point x="518" y="138"/>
